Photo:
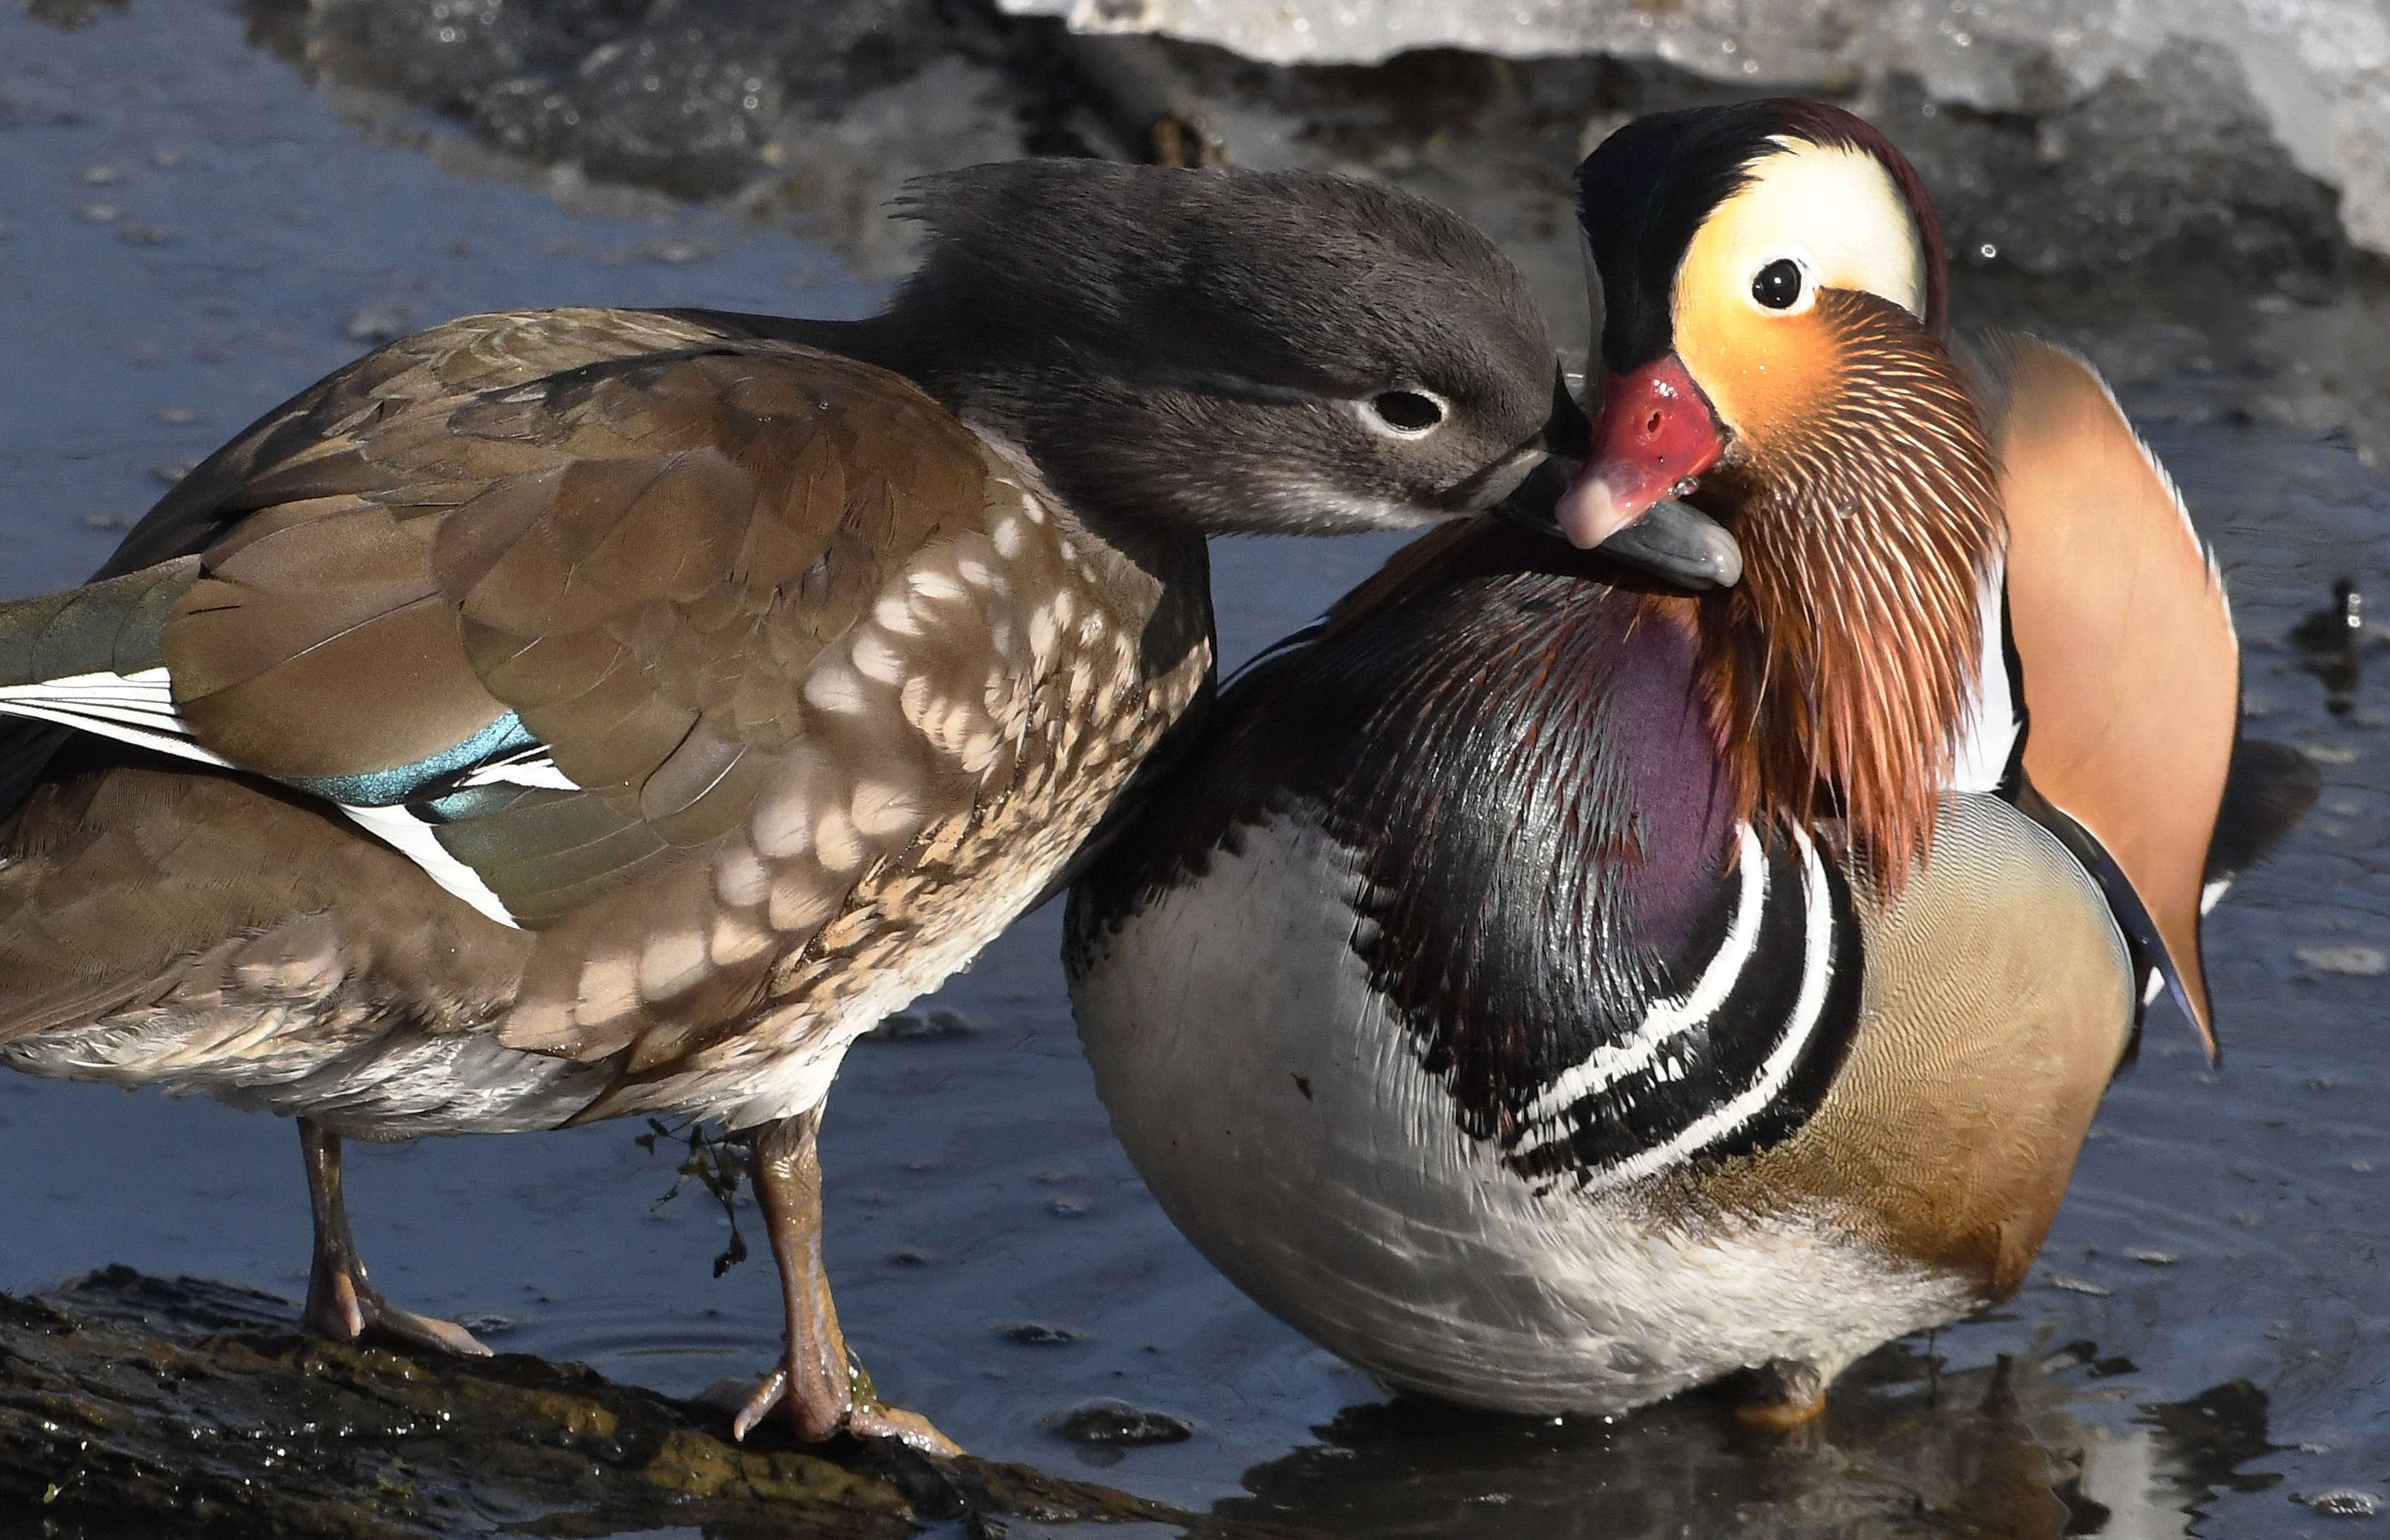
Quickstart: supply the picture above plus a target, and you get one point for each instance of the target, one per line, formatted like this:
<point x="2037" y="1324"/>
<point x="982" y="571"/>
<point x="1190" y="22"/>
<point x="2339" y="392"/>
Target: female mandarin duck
<point x="564" y="714"/>
<point x="1551" y="990"/>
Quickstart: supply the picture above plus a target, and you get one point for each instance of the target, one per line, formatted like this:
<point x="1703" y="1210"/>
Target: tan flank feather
<point x="2132" y="673"/>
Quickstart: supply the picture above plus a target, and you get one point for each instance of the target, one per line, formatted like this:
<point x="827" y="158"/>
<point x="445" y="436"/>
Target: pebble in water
<point x="376" y="324"/>
<point x="2344" y="1502"/>
<point x="1116" y="1424"/>
<point x="2357" y="962"/>
<point x="922" y="1026"/>
<point x="2337" y="625"/>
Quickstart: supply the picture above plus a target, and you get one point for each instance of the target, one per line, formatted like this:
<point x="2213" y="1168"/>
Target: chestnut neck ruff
<point x="1841" y="669"/>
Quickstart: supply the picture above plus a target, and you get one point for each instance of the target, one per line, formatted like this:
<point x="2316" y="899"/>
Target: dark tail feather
<point x="26" y="748"/>
<point x="2271" y="787"/>
<point x="110" y="626"/>
<point x="106" y="627"/>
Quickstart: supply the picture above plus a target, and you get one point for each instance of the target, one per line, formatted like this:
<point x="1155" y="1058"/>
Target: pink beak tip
<point x="1591" y="512"/>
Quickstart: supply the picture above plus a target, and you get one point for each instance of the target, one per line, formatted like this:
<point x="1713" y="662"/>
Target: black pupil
<point x="1779" y="284"/>
<point x="1408" y="410"/>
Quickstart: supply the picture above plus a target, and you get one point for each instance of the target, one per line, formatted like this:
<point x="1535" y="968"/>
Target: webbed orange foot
<point x="1790" y="1394"/>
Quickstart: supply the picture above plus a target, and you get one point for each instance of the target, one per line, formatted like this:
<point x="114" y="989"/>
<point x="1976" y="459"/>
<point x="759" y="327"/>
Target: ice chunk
<point x="2318" y="70"/>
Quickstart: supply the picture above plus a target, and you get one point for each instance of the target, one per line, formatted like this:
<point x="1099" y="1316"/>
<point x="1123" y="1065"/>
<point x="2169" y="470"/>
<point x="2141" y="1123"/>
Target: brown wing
<point x="664" y="566"/>
<point x="2122" y="631"/>
<point x="132" y="887"/>
<point x="640" y="557"/>
<point x="443" y="363"/>
<point x="447" y="362"/>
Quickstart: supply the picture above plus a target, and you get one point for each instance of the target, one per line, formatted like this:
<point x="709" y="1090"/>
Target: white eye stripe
<point x="1374" y="411"/>
<point x="1835" y="210"/>
<point x="1802" y="300"/>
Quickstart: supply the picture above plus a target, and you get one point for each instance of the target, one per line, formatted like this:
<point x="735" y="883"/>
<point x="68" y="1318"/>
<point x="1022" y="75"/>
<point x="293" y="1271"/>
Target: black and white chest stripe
<point x="1734" y="1062"/>
<point x="1600" y="971"/>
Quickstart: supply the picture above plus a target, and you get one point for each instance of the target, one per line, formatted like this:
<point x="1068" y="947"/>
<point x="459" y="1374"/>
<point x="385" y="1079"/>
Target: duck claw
<point x="767" y="1395"/>
<point x="344" y="1308"/>
<point x="878" y="1419"/>
<point x="425" y="1331"/>
<point x="864" y="1416"/>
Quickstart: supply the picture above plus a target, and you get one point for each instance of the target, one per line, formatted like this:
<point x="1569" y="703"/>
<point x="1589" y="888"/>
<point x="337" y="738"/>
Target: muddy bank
<point x="182" y="1407"/>
<point x="130" y="1404"/>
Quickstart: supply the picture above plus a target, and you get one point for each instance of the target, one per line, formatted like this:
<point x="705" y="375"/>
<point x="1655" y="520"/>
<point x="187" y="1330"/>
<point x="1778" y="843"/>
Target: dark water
<point x="191" y="232"/>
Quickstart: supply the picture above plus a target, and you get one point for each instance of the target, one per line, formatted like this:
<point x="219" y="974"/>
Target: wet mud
<point x="184" y="1407"/>
<point x="203" y="208"/>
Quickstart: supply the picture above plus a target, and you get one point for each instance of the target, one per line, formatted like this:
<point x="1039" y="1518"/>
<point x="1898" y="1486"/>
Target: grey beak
<point x="1677" y="543"/>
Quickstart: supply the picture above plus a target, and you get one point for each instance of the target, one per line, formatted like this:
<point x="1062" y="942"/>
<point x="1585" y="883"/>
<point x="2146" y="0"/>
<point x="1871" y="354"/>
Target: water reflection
<point x="2334" y="641"/>
<point x="2056" y="1444"/>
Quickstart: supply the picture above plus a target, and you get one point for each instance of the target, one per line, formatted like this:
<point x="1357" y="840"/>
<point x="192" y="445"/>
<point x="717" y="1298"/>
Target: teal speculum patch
<point x="402" y="783"/>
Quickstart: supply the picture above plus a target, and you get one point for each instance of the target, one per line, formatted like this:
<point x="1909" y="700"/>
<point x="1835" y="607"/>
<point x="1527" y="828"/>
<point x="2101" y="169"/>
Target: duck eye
<point x="1406" y="411"/>
<point x="1778" y="285"/>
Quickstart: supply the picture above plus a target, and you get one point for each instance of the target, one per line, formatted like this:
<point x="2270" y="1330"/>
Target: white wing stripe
<point x="1989" y="734"/>
<point x="414" y="838"/>
<point x="533" y="769"/>
<point x="139" y="708"/>
<point x="136" y="708"/>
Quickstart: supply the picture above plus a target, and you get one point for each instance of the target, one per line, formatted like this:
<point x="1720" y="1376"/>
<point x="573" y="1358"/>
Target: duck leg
<point x="824" y="1388"/>
<point x="341" y="1303"/>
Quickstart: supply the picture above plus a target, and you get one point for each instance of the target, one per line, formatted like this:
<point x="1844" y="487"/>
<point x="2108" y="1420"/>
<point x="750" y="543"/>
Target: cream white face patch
<point x="1833" y="213"/>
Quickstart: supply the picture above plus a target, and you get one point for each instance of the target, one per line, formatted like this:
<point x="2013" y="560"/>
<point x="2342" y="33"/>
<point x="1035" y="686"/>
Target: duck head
<point x="1771" y="290"/>
<point x="1237" y="351"/>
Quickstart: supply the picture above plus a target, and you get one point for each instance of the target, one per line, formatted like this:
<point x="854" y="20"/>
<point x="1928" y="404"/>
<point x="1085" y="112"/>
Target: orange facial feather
<point x="1842" y="666"/>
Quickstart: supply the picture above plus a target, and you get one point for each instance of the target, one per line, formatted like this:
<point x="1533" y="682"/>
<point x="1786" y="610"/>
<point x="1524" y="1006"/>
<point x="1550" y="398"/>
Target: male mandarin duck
<point x="1551" y="989"/>
<point x="564" y="714"/>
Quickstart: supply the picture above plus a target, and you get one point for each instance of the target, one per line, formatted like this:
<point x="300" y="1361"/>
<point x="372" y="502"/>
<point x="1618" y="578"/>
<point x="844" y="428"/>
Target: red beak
<point x="1656" y="430"/>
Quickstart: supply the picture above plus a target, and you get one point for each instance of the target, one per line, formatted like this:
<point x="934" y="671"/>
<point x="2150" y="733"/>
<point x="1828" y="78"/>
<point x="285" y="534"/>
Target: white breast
<point x="1281" y="1117"/>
